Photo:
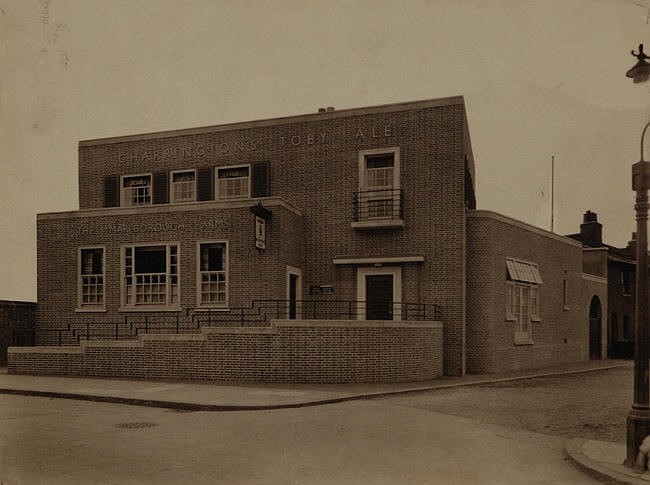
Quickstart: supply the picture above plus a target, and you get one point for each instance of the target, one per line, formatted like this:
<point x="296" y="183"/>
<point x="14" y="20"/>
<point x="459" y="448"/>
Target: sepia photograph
<point x="324" y="242"/>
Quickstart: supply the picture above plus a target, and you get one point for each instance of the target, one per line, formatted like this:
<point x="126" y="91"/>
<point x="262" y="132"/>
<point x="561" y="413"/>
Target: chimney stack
<point x="591" y="231"/>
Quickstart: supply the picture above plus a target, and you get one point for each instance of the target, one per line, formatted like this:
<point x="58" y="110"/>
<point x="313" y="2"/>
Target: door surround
<point x="362" y="272"/>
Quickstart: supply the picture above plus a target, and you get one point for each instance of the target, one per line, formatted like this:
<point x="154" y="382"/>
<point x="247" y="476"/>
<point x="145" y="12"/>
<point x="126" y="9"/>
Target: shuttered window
<point x="112" y="191"/>
<point x="261" y="178"/>
<point x="204" y="184"/>
<point x="160" y="188"/>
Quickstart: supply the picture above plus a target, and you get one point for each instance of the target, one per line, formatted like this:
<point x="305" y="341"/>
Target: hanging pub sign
<point x="260" y="233"/>
<point x="261" y="216"/>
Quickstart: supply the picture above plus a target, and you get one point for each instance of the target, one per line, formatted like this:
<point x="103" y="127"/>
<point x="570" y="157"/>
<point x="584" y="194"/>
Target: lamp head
<point x="641" y="70"/>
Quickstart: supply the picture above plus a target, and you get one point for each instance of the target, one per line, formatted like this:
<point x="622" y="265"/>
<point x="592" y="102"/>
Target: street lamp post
<point x="638" y="419"/>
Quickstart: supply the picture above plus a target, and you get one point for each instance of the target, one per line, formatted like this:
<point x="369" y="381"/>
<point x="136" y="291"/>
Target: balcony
<point x="378" y="208"/>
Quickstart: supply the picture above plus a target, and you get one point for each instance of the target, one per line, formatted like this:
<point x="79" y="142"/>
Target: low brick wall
<point x="287" y="351"/>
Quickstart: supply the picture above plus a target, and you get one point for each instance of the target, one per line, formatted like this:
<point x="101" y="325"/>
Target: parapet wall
<point x="287" y="351"/>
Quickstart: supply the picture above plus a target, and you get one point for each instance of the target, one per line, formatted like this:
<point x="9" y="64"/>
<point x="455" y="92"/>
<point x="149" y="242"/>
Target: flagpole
<point x="552" y="190"/>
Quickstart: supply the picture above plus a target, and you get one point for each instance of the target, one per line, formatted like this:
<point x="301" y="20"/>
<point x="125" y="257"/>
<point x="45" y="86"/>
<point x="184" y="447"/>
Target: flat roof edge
<point x="486" y="214"/>
<point x="166" y="208"/>
<point x="240" y="125"/>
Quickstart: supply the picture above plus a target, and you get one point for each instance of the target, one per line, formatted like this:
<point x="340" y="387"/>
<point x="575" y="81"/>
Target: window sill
<point x="524" y="342"/>
<point x="140" y="309"/>
<point x="566" y="308"/>
<point x="206" y="308"/>
<point x="378" y="224"/>
<point x="90" y="310"/>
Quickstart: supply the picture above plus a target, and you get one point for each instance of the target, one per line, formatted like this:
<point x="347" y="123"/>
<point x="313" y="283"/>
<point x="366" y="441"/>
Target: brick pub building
<point x="337" y="246"/>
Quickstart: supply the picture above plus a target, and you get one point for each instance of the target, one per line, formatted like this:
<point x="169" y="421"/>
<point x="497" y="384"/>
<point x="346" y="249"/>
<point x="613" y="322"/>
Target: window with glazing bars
<point x="233" y="182"/>
<point x="136" y="190"/>
<point x="212" y="273"/>
<point x="379" y="172"/>
<point x="184" y="186"/>
<point x="522" y="297"/>
<point x="151" y="275"/>
<point x="92" y="276"/>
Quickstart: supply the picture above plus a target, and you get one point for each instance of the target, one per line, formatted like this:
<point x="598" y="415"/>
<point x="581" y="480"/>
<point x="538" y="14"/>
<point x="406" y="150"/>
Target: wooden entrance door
<point x="379" y="297"/>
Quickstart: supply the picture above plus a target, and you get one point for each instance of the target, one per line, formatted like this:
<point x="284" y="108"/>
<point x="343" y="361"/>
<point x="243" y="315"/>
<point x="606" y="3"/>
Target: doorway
<point x="379" y="292"/>
<point x="595" y="329"/>
<point x="379" y="297"/>
<point x="294" y="293"/>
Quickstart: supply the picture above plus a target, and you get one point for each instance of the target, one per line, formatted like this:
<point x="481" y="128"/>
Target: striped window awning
<point x="522" y="271"/>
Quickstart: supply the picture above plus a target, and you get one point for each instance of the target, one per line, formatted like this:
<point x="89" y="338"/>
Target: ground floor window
<point x="151" y="275"/>
<point x="91" y="277"/>
<point x="523" y="298"/>
<point x="212" y="273"/>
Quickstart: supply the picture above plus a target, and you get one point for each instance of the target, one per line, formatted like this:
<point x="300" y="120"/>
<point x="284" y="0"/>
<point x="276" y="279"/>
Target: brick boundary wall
<point x="287" y="351"/>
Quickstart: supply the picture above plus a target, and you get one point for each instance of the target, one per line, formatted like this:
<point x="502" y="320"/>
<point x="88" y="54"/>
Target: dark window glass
<point x="211" y="257"/>
<point x="379" y="161"/>
<point x="91" y="261"/>
<point x="152" y="259"/>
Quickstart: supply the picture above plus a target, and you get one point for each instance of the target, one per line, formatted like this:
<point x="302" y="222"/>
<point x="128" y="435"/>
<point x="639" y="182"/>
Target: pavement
<point x="602" y="460"/>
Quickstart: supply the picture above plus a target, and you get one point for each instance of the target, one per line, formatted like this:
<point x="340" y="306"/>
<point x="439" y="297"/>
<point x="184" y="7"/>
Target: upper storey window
<point x="183" y="186"/>
<point x="378" y="203"/>
<point x="233" y="182"/>
<point x="379" y="171"/>
<point x="136" y="190"/>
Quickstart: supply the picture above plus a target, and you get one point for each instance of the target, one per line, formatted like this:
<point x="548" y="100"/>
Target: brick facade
<point x="562" y="332"/>
<point x="306" y="176"/>
<point x="251" y="273"/>
<point x="314" y="168"/>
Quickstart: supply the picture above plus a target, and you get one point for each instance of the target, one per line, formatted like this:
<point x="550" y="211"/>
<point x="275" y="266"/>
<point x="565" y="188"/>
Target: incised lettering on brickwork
<point x="203" y="150"/>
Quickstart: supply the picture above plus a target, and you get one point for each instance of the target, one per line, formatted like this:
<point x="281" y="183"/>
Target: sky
<point x="540" y="79"/>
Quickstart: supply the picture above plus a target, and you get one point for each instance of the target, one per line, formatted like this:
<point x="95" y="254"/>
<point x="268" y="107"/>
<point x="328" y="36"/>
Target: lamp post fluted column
<point x="638" y="420"/>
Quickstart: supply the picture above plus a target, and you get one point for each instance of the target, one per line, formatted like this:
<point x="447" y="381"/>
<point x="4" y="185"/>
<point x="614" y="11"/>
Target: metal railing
<point x="369" y="205"/>
<point x="259" y="313"/>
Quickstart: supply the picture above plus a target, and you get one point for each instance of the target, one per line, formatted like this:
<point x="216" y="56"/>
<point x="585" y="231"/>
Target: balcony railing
<point x="378" y="205"/>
